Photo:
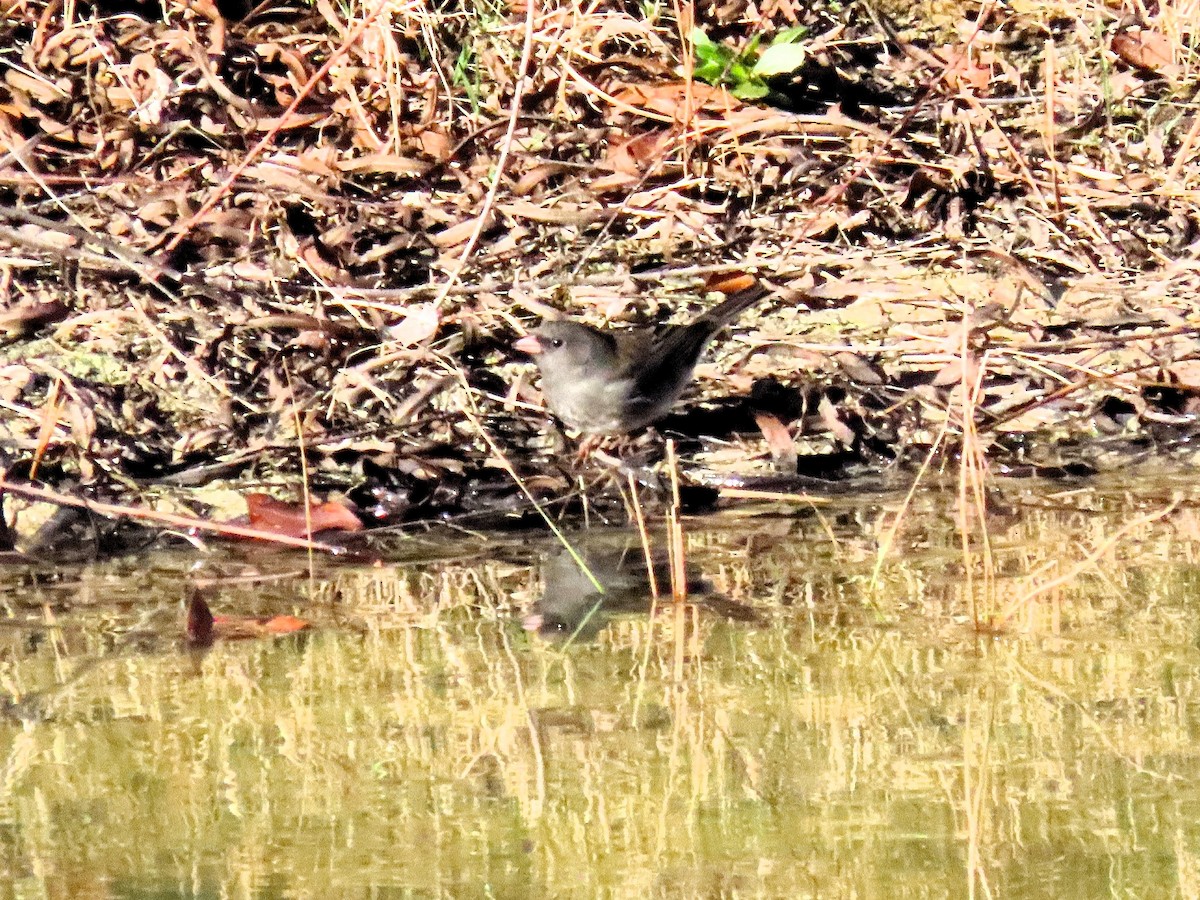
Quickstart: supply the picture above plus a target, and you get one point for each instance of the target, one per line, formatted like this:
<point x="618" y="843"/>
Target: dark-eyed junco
<point x="611" y="382"/>
<point x="571" y="607"/>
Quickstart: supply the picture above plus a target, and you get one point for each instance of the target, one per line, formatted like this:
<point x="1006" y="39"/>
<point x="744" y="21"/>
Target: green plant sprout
<point x="746" y="72"/>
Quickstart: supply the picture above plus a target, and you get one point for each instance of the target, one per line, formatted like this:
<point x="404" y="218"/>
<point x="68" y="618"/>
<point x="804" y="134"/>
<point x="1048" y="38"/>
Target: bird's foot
<point x="587" y="448"/>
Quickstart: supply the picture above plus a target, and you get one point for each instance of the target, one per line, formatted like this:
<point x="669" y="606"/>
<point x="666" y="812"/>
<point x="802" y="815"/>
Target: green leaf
<point x="709" y="72"/>
<point x="701" y="41"/>
<point x="739" y="73"/>
<point x="779" y="59"/>
<point x="750" y="90"/>
<point x="790" y="35"/>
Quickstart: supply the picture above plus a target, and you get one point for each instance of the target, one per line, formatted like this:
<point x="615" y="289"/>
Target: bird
<point x="576" y="605"/>
<point x="606" y="382"/>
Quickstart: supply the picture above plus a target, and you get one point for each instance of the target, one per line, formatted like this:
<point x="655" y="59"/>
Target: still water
<point x="823" y="718"/>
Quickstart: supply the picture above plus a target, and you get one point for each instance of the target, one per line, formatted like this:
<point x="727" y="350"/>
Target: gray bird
<point x="612" y="382"/>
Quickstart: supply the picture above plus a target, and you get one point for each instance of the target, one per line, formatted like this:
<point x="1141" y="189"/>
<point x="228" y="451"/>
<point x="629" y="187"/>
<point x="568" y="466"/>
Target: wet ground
<point x="473" y="718"/>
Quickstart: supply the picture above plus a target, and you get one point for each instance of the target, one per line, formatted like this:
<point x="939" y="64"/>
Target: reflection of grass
<point x="815" y="753"/>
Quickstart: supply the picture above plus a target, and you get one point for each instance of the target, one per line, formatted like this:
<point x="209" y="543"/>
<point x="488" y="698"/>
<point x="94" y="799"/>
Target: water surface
<point x="820" y="722"/>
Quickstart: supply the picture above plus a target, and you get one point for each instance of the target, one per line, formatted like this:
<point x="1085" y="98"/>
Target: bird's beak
<point x="529" y="344"/>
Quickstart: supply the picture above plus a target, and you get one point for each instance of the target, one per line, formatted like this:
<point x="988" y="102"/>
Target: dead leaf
<point x="566" y="214"/>
<point x="384" y="164"/>
<point x="420" y="323"/>
<point x="203" y="628"/>
<point x="730" y="282"/>
<point x="1146" y="49"/>
<point x="454" y="235"/>
<point x="537" y="175"/>
<point x="13" y="380"/>
<point x="858" y="368"/>
<point x="151" y="87"/>
<point x="638" y="154"/>
<point x="288" y="519"/>
<point x="436" y="144"/>
<point x="954" y="372"/>
<point x="26" y="318"/>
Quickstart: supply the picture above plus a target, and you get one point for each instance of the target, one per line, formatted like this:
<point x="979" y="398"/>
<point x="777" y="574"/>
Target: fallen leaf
<point x="288" y="519"/>
<point x="454" y="235"/>
<point x="730" y="282"/>
<point x="1145" y="49"/>
<point x="565" y="214"/>
<point x="203" y="628"/>
<point x="955" y="372"/>
<point x="858" y="368"/>
<point x="637" y="154"/>
<point x="26" y="318"/>
<point x="536" y="176"/>
<point x="420" y="323"/>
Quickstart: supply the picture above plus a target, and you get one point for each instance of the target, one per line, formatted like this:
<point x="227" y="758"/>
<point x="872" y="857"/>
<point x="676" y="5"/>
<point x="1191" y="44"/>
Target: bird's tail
<point x="728" y="310"/>
<point x="682" y="344"/>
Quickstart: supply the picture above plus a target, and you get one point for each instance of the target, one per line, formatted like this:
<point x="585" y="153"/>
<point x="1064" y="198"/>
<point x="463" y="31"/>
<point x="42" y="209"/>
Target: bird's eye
<point x="555" y="342"/>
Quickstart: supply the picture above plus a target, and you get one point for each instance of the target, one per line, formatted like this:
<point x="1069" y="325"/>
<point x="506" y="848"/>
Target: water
<point x="819" y="724"/>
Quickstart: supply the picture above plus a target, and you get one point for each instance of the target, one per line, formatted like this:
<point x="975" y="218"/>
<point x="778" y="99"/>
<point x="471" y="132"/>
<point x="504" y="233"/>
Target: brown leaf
<point x="420" y="323"/>
<point x="637" y="154"/>
<point x="565" y="214"/>
<point x="671" y="98"/>
<point x="26" y="318"/>
<point x="436" y="144"/>
<point x="535" y="176"/>
<point x="150" y="86"/>
<point x="730" y="282"/>
<point x="1145" y="49"/>
<point x="384" y="164"/>
<point x="454" y="235"/>
<point x="1185" y="374"/>
<point x="963" y="69"/>
<point x="13" y="380"/>
<point x="42" y="90"/>
<point x="203" y="628"/>
<point x="280" y="517"/>
<point x="199" y="625"/>
<point x="316" y="263"/>
<point x="955" y="372"/>
<point x="858" y="368"/>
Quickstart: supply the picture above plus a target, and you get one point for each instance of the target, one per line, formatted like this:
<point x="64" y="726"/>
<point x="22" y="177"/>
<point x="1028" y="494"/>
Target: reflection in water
<point x="858" y="740"/>
<point x="571" y="608"/>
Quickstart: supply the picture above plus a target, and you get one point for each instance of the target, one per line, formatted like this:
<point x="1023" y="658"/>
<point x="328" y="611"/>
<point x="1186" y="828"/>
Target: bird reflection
<point x="572" y="609"/>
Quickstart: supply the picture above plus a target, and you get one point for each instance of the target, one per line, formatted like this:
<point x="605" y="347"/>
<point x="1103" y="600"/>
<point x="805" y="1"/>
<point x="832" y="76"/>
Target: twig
<point x="132" y="512"/>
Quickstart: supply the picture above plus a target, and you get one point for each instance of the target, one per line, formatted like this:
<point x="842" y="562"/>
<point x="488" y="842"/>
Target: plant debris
<point x="248" y="244"/>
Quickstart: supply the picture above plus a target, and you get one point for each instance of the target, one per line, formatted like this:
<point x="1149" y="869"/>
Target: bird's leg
<point x="589" y="445"/>
<point x="623" y="461"/>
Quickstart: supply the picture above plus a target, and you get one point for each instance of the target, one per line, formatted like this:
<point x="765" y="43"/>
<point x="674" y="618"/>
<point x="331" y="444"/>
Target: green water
<point x="819" y="725"/>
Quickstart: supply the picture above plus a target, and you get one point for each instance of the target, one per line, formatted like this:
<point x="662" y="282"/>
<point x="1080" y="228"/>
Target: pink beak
<point x="528" y="344"/>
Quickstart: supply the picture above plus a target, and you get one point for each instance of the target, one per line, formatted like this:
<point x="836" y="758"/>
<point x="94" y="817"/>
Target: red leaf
<point x="731" y="282"/>
<point x="234" y="628"/>
<point x="280" y="517"/>
<point x="203" y="627"/>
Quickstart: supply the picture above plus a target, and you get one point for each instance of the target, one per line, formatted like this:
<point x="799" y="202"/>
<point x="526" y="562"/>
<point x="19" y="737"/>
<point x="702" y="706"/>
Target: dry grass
<point x="367" y="194"/>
